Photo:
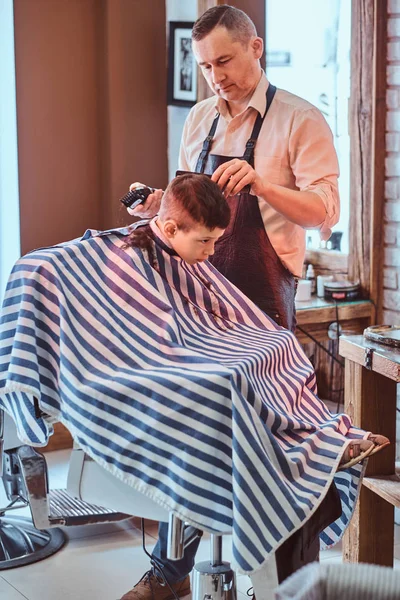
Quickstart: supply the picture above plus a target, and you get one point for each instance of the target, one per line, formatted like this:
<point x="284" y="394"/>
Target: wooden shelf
<point x="315" y="316"/>
<point x="388" y="486"/>
<point x="385" y="360"/>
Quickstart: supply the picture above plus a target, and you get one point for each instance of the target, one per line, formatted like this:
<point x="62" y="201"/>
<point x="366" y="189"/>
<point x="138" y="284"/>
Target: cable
<point x="157" y="566"/>
<point x="340" y="398"/>
<point x="332" y="356"/>
<point x="341" y="363"/>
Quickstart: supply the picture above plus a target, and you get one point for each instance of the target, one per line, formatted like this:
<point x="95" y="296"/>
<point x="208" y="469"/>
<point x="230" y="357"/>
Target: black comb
<point x="245" y="190"/>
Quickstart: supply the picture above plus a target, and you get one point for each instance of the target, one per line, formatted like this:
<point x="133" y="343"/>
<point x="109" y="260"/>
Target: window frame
<point x="367" y="126"/>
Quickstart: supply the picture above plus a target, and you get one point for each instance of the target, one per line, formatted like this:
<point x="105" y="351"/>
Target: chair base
<point x="213" y="583"/>
<point x="22" y="544"/>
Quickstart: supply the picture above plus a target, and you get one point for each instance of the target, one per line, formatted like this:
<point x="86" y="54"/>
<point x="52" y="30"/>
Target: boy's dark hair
<point x="142" y="238"/>
<point x="193" y="199"/>
<point x="239" y="25"/>
<point x="190" y="199"/>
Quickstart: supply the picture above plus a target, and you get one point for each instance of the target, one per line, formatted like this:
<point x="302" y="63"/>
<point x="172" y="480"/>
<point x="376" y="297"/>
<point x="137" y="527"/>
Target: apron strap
<point x="249" y="152"/>
<point x="201" y="161"/>
<point x="250" y="145"/>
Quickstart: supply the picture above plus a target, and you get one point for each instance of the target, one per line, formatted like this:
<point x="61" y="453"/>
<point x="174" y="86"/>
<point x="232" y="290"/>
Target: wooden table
<point x="316" y="315"/>
<point x="372" y="372"/>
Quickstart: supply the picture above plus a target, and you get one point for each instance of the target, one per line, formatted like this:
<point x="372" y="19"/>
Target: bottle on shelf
<point x="310" y="275"/>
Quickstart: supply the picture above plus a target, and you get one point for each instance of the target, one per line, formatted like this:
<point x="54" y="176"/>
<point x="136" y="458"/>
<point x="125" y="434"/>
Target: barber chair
<point x="211" y="580"/>
<point x="24" y="473"/>
<point x="25" y="481"/>
<point x="20" y="542"/>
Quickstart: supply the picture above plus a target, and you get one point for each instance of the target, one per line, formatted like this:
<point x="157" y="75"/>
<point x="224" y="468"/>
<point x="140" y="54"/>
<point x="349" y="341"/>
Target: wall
<point x="136" y="107"/>
<point x="177" y="11"/>
<point x="91" y="110"/>
<point x="391" y="282"/>
<point x="391" y="293"/>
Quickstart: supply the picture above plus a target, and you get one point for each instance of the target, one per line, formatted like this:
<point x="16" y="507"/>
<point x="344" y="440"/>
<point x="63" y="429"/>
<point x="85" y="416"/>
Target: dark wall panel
<point x="91" y="111"/>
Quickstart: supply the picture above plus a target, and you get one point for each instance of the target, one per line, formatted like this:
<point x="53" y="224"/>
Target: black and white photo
<point x="182" y="68"/>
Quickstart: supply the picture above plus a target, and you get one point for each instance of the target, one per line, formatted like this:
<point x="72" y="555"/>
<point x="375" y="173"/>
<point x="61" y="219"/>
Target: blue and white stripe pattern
<point x="177" y="384"/>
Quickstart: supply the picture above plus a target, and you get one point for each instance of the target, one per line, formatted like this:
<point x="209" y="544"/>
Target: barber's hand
<point x="150" y="207"/>
<point x="234" y="175"/>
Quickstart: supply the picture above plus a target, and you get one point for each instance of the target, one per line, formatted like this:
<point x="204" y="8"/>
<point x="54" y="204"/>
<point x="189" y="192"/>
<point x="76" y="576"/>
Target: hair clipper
<point x="137" y="196"/>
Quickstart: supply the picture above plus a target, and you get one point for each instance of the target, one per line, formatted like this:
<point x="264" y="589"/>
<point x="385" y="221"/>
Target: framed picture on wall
<point x="182" y="67"/>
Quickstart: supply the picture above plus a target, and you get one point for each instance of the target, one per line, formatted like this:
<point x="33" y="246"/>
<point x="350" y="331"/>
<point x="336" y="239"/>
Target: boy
<point x="193" y="215"/>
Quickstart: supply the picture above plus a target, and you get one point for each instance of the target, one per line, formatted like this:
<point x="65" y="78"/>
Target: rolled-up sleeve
<point x="314" y="163"/>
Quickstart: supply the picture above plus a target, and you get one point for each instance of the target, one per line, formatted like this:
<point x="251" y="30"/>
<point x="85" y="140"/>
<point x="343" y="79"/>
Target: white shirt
<point x="294" y="149"/>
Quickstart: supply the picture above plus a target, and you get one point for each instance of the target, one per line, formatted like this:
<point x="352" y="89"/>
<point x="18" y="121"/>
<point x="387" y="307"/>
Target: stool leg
<point x="214" y="579"/>
<point x="216" y="550"/>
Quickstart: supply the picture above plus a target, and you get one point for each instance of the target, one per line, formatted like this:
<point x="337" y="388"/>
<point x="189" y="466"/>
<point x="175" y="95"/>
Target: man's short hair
<point x="239" y="25"/>
<point x="192" y="199"/>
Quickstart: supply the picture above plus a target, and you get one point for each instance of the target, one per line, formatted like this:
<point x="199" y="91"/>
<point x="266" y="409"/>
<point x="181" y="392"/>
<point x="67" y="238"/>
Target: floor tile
<point x="8" y="592"/>
<point x="336" y="550"/>
<point x="101" y="562"/>
<point x="331" y="558"/>
<point x="93" y="568"/>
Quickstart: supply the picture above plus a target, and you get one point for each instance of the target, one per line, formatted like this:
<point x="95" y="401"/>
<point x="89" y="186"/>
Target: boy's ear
<point x="170" y="228"/>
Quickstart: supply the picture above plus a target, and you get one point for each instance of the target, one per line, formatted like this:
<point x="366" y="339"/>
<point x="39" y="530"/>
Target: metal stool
<point x="213" y="579"/>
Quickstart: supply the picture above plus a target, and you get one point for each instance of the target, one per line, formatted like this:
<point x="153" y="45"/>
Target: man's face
<point x="195" y="245"/>
<point x="231" y="70"/>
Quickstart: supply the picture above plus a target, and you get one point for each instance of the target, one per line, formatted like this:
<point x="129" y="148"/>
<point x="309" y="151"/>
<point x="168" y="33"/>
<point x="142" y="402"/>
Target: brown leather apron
<point x="244" y="254"/>
<point x="246" y="257"/>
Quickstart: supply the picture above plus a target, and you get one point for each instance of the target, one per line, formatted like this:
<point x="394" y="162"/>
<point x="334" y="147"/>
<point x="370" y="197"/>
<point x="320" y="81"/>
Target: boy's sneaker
<point x="151" y="588"/>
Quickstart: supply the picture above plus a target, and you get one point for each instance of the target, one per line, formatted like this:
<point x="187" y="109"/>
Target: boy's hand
<point x="150" y="207"/>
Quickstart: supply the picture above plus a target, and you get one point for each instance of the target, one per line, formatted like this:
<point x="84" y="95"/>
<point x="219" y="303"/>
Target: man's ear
<point x="257" y="46"/>
<point x="170" y="228"/>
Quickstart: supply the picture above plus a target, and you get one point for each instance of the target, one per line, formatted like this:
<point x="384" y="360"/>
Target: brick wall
<point x="391" y="283"/>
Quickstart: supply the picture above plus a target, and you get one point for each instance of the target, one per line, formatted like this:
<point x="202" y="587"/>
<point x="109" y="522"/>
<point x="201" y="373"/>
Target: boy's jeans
<point x="174" y="570"/>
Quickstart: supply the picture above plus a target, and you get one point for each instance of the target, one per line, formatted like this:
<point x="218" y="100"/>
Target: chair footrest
<point x="66" y="510"/>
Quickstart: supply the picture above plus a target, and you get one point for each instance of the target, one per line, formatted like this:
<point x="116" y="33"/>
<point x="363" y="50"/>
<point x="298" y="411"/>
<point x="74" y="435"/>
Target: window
<point x="308" y="53"/>
<point x="9" y="199"/>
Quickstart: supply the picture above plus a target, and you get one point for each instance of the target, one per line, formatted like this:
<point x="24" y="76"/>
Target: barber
<point x="272" y="154"/>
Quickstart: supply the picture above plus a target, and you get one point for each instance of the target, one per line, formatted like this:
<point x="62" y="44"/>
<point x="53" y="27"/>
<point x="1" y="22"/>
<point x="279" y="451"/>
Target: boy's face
<point x="194" y="245"/>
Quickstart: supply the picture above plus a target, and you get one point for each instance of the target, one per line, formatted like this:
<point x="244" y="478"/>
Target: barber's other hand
<point x="234" y="175"/>
<point x="150" y="207"/>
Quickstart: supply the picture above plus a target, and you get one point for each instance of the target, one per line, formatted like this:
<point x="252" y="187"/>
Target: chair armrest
<point x="179" y="537"/>
<point x="33" y="468"/>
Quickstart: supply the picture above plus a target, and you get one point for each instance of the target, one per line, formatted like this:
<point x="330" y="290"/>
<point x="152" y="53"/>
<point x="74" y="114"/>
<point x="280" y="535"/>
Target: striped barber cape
<point x="176" y="383"/>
